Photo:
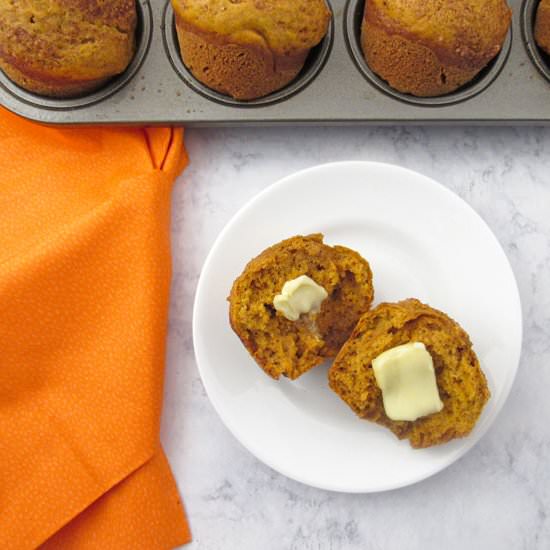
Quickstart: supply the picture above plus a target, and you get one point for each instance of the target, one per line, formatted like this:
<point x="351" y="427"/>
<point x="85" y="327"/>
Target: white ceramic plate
<point x="421" y="241"/>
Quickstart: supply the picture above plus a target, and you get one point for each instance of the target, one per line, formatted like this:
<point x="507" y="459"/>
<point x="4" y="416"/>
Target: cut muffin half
<point x="460" y="380"/>
<point x="290" y="348"/>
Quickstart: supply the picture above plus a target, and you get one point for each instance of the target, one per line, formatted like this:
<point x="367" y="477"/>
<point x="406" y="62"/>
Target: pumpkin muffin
<point x="285" y="347"/>
<point x="542" y="26"/>
<point x="460" y="380"/>
<point x="64" y="48"/>
<point x="432" y="48"/>
<point x="248" y="48"/>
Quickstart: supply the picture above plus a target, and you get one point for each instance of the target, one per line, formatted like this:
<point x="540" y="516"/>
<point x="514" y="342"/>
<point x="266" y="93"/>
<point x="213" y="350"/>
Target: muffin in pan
<point x="460" y="381"/>
<point x="65" y="48"/>
<point x="429" y="49"/>
<point x="542" y="26"/>
<point x="248" y="49"/>
<point x="289" y="345"/>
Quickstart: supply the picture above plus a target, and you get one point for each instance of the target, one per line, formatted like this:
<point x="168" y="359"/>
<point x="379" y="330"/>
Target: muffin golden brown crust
<point x="63" y="48"/>
<point x="290" y="348"/>
<point x="432" y="48"/>
<point x="249" y="48"/>
<point x="461" y="382"/>
<point x="542" y="26"/>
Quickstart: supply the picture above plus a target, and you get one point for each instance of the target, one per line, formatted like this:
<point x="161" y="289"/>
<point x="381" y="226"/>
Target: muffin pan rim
<point x="144" y="33"/>
<point x="304" y="78"/>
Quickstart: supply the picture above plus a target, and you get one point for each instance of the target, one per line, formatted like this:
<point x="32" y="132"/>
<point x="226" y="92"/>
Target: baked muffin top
<point x="68" y="39"/>
<point x="542" y="25"/>
<point x="465" y="33"/>
<point x="283" y="26"/>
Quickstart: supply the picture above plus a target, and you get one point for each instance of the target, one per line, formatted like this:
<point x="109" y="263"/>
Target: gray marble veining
<point x="498" y="495"/>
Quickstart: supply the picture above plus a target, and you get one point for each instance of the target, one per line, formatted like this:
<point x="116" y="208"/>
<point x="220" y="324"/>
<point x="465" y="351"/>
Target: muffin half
<point x="248" y="49"/>
<point x="63" y="48"/>
<point x="461" y="383"/>
<point x="432" y="48"/>
<point x="286" y="347"/>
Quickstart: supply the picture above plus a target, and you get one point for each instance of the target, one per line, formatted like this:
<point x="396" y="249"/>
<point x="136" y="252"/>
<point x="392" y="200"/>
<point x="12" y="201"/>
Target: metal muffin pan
<point x="336" y="86"/>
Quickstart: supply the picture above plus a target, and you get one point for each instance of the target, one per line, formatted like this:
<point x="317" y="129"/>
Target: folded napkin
<point x="84" y="283"/>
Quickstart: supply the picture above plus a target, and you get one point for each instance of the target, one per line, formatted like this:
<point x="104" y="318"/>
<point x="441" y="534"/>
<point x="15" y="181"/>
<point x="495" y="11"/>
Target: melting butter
<point x="406" y="376"/>
<point x="299" y="296"/>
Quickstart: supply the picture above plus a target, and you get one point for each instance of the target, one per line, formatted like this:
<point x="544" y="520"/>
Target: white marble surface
<point x="498" y="495"/>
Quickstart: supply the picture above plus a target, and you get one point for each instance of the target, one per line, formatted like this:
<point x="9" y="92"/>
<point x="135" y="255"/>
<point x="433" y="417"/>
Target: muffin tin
<point x="336" y="86"/>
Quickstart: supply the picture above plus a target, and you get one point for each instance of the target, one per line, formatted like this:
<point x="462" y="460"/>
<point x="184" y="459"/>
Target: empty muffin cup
<point x="539" y="57"/>
<point x="143" y="38"/>
<point x="312" y="66"/>
<point x="353" y="22"/>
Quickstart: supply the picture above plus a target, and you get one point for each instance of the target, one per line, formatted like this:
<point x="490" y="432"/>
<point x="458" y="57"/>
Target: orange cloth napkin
<point x="84" y="283"/>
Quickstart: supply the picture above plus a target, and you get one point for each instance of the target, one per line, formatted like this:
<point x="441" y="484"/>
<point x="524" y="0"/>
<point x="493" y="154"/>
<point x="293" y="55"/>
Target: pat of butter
<point x="300" y="295"/>
<point x="406" y="376"/>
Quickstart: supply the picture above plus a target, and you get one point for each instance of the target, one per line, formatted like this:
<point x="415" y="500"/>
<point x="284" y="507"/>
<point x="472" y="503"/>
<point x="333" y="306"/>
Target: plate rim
<point x="469" y="442"/>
